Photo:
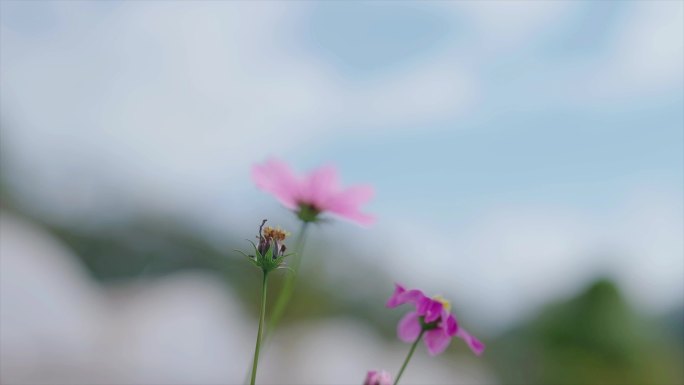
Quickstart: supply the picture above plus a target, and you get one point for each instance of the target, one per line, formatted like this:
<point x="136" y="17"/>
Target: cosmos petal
<point x="436" y="341"/>
<point x="409" y="327"/>
<point x="275" y="177"/>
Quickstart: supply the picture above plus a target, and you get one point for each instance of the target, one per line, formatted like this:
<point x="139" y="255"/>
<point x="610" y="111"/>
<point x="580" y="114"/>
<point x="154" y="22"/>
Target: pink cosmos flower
<point x="313" y="194"/>
<point x="378" y="378"/>
<point x="431" y="317"/>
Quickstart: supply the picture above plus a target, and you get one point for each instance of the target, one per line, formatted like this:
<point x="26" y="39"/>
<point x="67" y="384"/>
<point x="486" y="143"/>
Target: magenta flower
<point x="313" y="194"/>
<point x="378" y="378"/>
<point x="432" y="318"/>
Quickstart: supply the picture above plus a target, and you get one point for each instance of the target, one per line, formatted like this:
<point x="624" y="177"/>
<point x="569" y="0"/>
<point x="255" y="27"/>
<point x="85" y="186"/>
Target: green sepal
<point x="307" y="213"/>
<point x="251" y="258"/>
<point x="256" y="251"/>
<point x="427" y="326"/>
<point x="272" y="264"/>
<point x="265" y="262"/>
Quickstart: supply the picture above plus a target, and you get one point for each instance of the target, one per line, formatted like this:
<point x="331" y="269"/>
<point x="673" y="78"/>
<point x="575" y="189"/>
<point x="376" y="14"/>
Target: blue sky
<point x="523" y="141"/>
<point x="528" y="135"/>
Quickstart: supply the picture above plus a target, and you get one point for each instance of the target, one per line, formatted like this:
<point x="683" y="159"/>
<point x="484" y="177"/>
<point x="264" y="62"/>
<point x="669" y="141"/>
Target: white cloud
<point x="436" y="89"/>
<point x="504" y="26"/>
<point x="643" y="58"/>
<point x="649" y="51"/>
<point x="164" y="101"/>
<point x="154" y="104"/>
<point x="643" y="55"/>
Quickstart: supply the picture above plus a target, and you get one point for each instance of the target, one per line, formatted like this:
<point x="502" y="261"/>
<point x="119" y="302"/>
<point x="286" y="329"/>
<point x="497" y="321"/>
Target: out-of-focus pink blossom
<point x="431" y="316"/>
<point x="375" y="377"/>
<point x="314" y="193"/>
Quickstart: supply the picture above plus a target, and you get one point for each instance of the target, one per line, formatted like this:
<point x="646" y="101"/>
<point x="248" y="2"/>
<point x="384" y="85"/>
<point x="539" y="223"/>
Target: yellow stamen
<point x="444" y="301"/>
<point x="275" y="233"/>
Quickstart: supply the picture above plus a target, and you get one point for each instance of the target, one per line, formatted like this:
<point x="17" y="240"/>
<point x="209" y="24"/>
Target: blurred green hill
<point x="595" y="338"/>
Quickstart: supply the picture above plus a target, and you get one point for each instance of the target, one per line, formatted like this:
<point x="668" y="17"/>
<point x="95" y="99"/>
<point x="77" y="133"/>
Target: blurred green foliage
<point x="152" y="248"/>
<point x="595" y="338"/>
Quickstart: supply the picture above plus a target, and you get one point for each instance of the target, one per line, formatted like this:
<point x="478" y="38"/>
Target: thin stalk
<point x="408" y="357"/>
<point x="286" y="293"/>
<point x="287" y="290"/>
<point x="264" y="287"/>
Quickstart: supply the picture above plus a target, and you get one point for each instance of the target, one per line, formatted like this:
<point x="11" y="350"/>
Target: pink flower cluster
<point x="432" y="317"/>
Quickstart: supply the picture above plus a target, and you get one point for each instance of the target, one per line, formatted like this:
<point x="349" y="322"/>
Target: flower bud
<point x="378" y="378"/>
<point x="270" y="250"/>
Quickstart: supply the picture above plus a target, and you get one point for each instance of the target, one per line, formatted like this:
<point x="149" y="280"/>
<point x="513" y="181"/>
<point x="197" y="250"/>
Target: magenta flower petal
<point x="436" y="341"/>
<point x="346" y="204"/>
<point x="315" y="194"/>
<point x="433" y="316"/>
<point x="276" y="178"/>
<point x="378" y="378"/>
<point x="319" y="186"/>
<point x="364" y="220"/>
<point x="409" y="327"/>
<point x="402" y="296"/>
<point x="475" y="345"/>
<point x="395" y="299"/>
<point x="433" y="311"/>
<point x="423" y="305"/>
<point x="450" y="326"/>
<point x="350" y="198"/>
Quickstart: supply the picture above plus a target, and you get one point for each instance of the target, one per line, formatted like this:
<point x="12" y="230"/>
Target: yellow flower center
<point x="277" y="234"/>
<point x="444" y="301"/>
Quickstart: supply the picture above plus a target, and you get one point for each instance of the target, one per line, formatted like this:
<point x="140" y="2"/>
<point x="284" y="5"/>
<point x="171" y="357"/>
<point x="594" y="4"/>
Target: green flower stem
<point x="408" y="358"/>
<point x="264" y="287"/>
<point x="287" y="290"/>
